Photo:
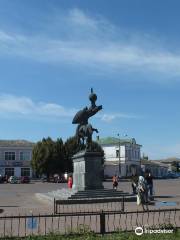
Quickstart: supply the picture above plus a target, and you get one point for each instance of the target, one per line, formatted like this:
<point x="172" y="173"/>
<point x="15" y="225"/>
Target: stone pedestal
<point x="87" y="171"/>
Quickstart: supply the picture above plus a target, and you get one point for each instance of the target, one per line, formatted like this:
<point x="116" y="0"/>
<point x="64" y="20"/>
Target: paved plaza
<point x="18" y="199"/>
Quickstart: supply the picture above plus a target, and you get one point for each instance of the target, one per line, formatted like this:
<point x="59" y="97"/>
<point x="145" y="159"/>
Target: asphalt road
<point x="20" y="198"/>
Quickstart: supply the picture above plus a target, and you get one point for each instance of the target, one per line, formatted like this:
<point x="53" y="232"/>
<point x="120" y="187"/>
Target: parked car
<point x="59" y="178"/>
<point x="44" y="179"/>
<point x="178" y="174"/>
<point x="1" y="179"/>
<point x="172" y="175"/>
<point x="25" y="179"/>
<point x="56" y="178"/>
<point x="13" y="179"/>
<point x="62" y="179"/>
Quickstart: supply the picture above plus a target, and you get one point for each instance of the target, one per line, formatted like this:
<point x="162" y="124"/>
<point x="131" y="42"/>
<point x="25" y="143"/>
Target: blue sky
<point x="53" y="52"/>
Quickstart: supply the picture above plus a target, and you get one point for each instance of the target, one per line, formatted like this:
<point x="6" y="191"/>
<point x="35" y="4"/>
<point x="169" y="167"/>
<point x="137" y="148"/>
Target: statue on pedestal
<point x="84" y="129"/>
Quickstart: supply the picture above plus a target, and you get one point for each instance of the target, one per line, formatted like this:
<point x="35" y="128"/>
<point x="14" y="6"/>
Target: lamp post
<point x="119" y="155"/>
<point x="125" y="135"/>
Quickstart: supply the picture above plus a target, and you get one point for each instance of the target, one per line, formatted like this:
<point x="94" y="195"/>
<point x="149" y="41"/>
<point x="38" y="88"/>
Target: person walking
<point x="134" y="180"/>
<point x="70" y="182"/>
<point x="115" y="182"/>
<point x="149" y="180"/>
<point x="142" y="192"/>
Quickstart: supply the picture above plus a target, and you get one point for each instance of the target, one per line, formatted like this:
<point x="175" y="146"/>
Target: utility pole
<point x="119" y="155"/>
<point x="120" y="152"/>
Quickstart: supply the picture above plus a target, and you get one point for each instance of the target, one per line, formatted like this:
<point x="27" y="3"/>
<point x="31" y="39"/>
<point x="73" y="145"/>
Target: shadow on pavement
<point x="163" y="196"/>
<point x="8" y="206"/>
<point x="1" y="211"/>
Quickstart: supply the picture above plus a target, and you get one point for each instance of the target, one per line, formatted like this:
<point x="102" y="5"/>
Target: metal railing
<point x="88" y="205"/>
<point x="99" y="222"/>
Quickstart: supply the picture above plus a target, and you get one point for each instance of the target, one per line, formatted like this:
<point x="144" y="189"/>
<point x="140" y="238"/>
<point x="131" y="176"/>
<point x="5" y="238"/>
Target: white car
<point x="13" y="179"/>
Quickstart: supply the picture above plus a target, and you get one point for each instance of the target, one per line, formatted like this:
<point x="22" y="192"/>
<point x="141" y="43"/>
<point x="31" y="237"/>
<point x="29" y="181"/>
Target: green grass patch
<point x="115" y="236"/>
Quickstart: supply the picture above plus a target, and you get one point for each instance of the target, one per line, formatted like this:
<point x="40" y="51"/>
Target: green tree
<point x="59" y="163"/>
<point x="40" y="157"/>
<point x="71" y="148"/>
<point x="48" y="157"/>
<point x="97" y="148"/>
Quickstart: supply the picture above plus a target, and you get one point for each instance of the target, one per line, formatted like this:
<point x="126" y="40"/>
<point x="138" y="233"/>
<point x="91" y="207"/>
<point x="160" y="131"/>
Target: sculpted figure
<point x="84" y="129"/>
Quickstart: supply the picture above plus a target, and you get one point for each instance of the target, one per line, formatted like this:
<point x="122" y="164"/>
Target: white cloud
<point x="110" y="116"/>
<point x="78" y="17"/>
<point x="5" y="37"/>
<point x="92" y="42"/>
<point x="11" y="105"/>
<point x="20" y="106"/>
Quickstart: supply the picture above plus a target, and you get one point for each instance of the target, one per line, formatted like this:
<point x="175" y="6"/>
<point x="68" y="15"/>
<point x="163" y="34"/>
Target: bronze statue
<point x="84" y="129"/>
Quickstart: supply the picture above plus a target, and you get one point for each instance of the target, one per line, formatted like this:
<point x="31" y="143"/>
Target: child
<point x="115" y="182"/>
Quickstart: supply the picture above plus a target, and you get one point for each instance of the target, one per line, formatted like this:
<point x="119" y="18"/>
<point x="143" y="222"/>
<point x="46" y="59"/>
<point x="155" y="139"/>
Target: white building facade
<point x="15" y="158"/>
<point x="157" y="169"/>
<point x="122" y="156"/>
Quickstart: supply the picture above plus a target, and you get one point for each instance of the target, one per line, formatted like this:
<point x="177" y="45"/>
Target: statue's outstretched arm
<point x="93" y="111"/>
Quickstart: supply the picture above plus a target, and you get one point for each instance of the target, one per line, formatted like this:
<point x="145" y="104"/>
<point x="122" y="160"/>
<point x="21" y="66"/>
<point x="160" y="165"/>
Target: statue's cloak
<point x="80" y="117"/>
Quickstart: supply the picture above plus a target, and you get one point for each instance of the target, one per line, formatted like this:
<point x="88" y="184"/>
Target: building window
<point x="25" y="156"/>
<point x="25" y="172"/>
<point x="9" y="172"/>
<point x="117" y="153"/>
<point x="10" y="156"/>
<point x="126" y="154"/>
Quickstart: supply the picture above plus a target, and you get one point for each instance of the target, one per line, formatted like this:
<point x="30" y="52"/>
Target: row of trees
<point x="50" y="157"/>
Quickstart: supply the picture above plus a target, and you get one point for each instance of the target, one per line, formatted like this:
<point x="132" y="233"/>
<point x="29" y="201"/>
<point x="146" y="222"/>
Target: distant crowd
<point x="142" y="186"/>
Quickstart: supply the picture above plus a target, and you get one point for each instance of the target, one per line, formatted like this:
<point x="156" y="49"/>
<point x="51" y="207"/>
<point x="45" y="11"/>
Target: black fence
<point x="89" y="205"/>
<point x="99" y="222"/>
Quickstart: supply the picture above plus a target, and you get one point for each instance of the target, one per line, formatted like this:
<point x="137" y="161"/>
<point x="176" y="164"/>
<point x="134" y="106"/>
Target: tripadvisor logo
<point x="139" y="230"/>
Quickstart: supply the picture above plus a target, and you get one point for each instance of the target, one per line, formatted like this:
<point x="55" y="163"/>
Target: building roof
<point x="152" y="163"/>
<point x="169" y="160"/>
<point x="115" y="141"/>
<point x="16" y="143"/>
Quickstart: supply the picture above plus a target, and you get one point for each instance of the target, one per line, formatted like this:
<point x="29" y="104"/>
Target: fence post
<point x="122" y="204"/>
<point x="102" y="223"/>
<point x="54" y="206"/>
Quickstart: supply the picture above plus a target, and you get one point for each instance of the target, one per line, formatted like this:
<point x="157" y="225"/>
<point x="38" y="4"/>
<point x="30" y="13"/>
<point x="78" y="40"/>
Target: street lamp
<point x="119" y="155"/>
<point x="125" y="135"/>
